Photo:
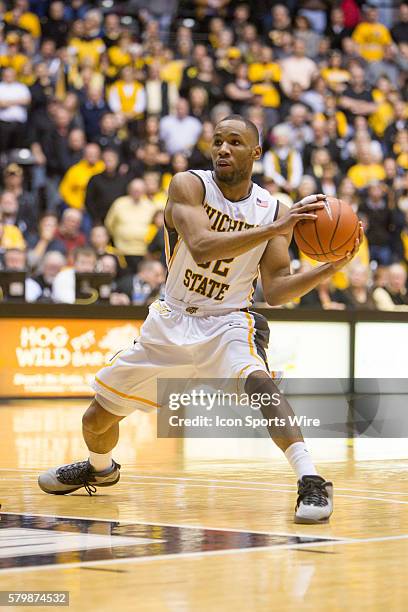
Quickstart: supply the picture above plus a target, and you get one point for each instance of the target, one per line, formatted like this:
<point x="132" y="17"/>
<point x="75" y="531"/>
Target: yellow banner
<point x="58" y="357"/>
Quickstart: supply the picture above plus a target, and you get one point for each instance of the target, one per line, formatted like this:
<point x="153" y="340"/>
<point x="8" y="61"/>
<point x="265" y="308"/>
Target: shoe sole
<point x="107" y="484"/>
<point x="306" y="521"/>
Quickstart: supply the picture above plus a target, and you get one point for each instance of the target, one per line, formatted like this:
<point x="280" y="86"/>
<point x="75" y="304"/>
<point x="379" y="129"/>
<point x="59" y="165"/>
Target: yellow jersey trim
<point x="120" y="394"/>
<point x="251" y="329"/>
<point x="176" y="248"/>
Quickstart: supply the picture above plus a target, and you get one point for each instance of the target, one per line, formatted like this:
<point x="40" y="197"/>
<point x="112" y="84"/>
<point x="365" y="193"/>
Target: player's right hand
<point x="301" y="211"/>
<point x="337" y="265"/>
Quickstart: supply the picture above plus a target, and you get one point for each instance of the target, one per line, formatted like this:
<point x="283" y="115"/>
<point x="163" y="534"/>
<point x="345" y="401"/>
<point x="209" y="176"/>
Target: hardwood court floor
<point x="187" y="530"/>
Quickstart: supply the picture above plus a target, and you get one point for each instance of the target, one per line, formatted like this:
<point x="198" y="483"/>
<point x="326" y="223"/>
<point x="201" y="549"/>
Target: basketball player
<point x="220" y="229"/>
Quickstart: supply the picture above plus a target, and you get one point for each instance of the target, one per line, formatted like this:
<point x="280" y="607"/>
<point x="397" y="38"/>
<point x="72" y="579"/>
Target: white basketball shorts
<point x="174" y="344"/>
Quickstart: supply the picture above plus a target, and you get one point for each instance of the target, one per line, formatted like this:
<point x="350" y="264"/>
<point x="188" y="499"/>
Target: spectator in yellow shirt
<point x="10" y="236"/>
<point x="400" y="149"/>
<point x="75" y="181"/>
<point x="156" y="224"/>
<point x="384" y="113"/>
<point x="120" y="55"/>
<point x="265" y="69"/>
<point x="21" y="17"/>
<point x="127" y="96"/>
<point x="371" y="36"/>
<point x="128" y="220"/>
<point x="154" y="193"/>
<point x="264" y="74"/>
<point x="85" y="42"/>
<point x="335" y="75"/>
<point x="13" y="58"/>
<point x="338" y="116"/>
<point x="366" y="169"/>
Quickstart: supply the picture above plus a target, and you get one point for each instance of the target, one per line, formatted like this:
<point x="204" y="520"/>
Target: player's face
<point x="233" y="152"/>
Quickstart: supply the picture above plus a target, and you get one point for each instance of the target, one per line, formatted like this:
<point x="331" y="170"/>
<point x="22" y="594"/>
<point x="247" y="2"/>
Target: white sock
<point x="299" y="459"/>
<point x="100" y="462"/>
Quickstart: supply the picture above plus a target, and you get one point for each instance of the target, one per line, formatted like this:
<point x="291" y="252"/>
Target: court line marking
<point x="265" y="490"/>
<point x="208" y="486"/>
<point x="96" y="569"/>
<point x="200" y="554"/>
<point x="257" y="482"/>
<point x="211" y="480"/>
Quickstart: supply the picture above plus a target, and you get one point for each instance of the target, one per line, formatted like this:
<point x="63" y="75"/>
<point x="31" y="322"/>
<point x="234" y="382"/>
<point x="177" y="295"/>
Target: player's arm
<point x="279" y="285"/>
<point x="184" y="211"/>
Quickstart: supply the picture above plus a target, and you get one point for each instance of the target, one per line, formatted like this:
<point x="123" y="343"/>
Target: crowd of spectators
<point x="102" y="103"/>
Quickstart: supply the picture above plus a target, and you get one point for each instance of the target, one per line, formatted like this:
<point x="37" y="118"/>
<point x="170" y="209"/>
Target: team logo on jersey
<point x="262" y="203"/>
<point x="192" y="309"/>
<point x="161" y="307"/>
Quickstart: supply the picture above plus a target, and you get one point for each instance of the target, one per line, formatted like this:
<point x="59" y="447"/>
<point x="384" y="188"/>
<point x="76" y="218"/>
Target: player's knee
<point x="96" y="420"/>
<point x="259" y="382"/>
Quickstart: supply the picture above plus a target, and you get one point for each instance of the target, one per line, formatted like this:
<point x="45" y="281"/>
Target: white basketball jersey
<point x="226" y="283"/>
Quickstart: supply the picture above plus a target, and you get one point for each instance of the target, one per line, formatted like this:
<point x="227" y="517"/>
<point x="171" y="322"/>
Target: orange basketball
<point x="331" y="235"/>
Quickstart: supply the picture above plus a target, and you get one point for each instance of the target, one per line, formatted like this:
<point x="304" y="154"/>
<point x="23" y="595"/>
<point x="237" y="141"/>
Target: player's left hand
<point x="336" y="265"/>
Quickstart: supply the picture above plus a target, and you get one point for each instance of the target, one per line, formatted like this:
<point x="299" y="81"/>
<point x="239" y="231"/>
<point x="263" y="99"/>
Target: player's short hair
<point x="248" y="124"/>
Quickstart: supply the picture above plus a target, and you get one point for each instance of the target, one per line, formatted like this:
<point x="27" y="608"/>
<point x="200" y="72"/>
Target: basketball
<point x="331" y="235"/>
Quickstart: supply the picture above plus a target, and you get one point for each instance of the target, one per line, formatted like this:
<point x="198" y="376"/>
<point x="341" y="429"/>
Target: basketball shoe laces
<point x="77" y="473"/>
<point x="313" y="492"/>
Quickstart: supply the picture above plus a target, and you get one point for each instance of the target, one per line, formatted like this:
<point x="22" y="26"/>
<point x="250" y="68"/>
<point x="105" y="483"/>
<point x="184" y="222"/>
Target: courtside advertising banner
<point x="58" y="357"/>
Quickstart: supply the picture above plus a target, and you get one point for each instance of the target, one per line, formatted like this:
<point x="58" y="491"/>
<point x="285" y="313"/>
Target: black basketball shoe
<point x="73" y="476"/>
<point x="315" y="500"/>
